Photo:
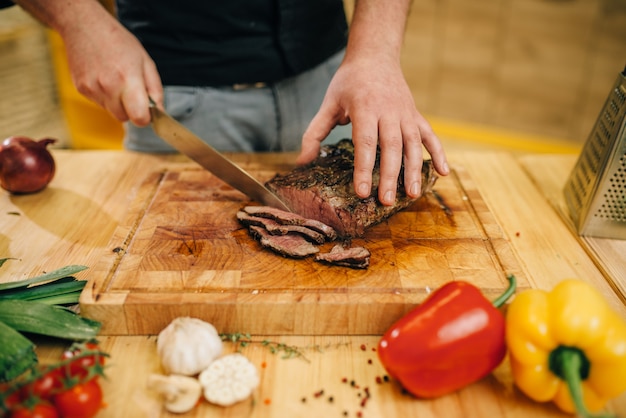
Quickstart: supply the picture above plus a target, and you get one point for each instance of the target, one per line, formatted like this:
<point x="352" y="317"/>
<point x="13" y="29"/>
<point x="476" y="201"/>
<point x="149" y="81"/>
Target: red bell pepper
<point x="454" y="338"/>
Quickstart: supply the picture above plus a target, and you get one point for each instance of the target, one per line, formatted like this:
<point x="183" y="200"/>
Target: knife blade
<point x="188" y="143"/>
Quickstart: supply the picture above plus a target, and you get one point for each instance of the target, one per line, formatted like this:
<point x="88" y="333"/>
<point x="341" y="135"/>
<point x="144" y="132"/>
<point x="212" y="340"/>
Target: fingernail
<point x="415" y="189"/>
<point x="364" y="189"/>
<point x="446" y="169"/>
<point x="388" y="197"/>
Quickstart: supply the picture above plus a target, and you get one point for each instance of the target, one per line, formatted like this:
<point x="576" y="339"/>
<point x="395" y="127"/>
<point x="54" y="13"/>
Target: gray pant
<point x="246" y="118"/>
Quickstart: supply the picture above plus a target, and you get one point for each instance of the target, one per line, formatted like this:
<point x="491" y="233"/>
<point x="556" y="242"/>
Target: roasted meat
<point x="288" y="218"/>
<point x="354" y="257"/>
<point x="289" y="245"/>
<point x="323" y="190"/>
<point x="291" y="235"/>
<point x="276" y="228"/>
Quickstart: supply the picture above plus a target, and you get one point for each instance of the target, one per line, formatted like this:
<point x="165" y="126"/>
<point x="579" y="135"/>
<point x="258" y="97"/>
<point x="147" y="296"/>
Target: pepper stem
<point x="507" y="293"/>
<point x="571" y="365"/>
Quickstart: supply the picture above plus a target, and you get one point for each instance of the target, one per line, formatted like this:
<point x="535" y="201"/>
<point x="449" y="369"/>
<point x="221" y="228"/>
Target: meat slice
<point x="288" y="218"/>
<point x="323" y="190"/>
<point x="354" y="257"/>
<point x="289" y="245"/>
<point x="276" y="228"/>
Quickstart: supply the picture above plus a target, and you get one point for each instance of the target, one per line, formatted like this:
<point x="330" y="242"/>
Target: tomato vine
<point x="68" y="388"/>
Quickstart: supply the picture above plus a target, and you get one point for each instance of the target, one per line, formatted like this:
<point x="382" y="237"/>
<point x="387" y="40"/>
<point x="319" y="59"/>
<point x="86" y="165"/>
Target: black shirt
<point x="224" y="42"/>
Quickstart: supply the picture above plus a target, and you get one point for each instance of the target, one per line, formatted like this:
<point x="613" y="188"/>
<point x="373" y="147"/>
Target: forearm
<point x="377" y="29"/>
<point x="370" y="91"/>
<point x="69" y="15"/>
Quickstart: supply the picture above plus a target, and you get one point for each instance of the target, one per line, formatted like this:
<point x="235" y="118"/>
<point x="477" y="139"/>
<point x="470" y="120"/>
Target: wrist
<point x="377" y="30"/>
<point x="86" y="15"/>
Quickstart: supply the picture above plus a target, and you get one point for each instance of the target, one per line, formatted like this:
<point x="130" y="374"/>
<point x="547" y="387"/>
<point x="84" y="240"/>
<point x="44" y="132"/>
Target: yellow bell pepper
<point x="567" y="346"/>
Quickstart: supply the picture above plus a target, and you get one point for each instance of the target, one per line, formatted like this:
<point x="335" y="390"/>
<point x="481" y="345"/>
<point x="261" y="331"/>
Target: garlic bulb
<point x="188" y="345"/>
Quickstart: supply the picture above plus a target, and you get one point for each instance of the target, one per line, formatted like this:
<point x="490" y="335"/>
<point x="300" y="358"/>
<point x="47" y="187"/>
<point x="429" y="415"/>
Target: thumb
<point x="135" y="97"/>
<point x="319" y="128"/>
<point x="153" y="83"/>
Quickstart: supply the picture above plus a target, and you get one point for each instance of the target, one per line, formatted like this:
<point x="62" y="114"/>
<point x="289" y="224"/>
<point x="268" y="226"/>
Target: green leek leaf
<point x="66" y="271"/>
<point x="49" y="320"/>
<point x="17" y="353"/>
<point x="66" y="287"/>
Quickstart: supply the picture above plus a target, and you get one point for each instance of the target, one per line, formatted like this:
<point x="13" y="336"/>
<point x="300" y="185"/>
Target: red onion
<point x="26" y="166"/>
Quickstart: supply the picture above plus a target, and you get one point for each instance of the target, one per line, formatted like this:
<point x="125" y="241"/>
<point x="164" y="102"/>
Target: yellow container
<point x="90" y="126"/>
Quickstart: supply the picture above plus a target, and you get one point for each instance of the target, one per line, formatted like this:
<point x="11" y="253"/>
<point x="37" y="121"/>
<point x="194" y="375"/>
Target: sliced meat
<point x="323" y="190"/>
<point x="276" y="228"/>
<point x="355" y="257"/>
<point x="288" y="218"/>
<point x="289" y="245"/>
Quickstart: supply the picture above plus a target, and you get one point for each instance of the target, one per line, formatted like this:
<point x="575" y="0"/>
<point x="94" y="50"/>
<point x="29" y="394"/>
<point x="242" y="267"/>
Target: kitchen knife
<point x="188" y="143"/>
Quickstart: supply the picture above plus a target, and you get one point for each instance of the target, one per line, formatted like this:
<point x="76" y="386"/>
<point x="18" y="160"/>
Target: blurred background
<point x="523" y="75"/>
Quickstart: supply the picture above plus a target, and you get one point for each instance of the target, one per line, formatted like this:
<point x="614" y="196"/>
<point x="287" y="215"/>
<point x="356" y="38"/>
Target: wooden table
<point x="72" y="221"/>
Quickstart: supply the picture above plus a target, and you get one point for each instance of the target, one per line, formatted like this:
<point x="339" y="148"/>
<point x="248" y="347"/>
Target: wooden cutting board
<point x="181" y="252"/>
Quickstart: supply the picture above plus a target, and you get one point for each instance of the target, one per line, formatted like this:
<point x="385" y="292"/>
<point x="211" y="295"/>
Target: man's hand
<point x="108" y="64"/>
<point x="115" y="71"/>
<point x="378" y="102"/>
<point x="369" y="90"/>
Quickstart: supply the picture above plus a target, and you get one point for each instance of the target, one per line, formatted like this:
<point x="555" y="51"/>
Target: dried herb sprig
<point x="242" y="340"/>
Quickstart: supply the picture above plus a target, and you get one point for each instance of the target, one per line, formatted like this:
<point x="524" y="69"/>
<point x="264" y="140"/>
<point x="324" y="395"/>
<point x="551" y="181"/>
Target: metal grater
<point x="596" y="189"/>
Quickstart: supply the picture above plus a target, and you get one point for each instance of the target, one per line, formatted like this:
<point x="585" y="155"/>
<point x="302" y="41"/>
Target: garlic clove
<point x="180" y="393"/>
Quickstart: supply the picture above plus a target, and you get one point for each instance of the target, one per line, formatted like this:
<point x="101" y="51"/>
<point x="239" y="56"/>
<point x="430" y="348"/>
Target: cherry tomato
<point x="8" y="400"/>
<point x="41" y="410"/>
<point x="44" y="387"/>
<point x="81" y="366"/>
<point x="81" y="401"/>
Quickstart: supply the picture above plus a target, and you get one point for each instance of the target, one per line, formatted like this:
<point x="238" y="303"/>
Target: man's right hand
<point x="111" y="67"/>
<point x="108" y="64"/>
